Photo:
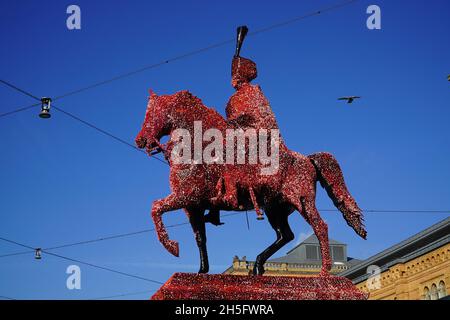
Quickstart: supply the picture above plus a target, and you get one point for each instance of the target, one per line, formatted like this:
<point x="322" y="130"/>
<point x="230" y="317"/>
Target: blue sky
<point x="62" y="182"/>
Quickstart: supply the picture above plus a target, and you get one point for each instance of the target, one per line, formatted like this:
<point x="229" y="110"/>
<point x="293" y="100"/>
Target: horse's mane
<point x="190" y="101"/>
<point x="187" y="99"/>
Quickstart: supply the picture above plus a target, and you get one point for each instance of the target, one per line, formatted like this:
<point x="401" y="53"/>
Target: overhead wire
<point x="182" y="56"/>
<point x="19" y="110"/>
<point x="201" y="50"/>
<point x="9" y="84"/>
<point x="67" y="113"/>
<point x="71" y="115"/>
<point x="83" y="262"/>
<point x="166" y="61"/>
<point x="133" y="233"/>
<point x="101" y="267"/>
<point x="116" y="236"/>
<point x="123" y="295"/>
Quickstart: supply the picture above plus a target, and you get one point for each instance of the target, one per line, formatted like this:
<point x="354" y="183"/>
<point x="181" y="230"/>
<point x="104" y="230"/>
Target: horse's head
<point x="168" y="112"/>
<point x="156" y="122"/>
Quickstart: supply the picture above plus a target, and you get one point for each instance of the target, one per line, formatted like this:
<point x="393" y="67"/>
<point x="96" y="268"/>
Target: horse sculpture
<point x="291" y="188"/>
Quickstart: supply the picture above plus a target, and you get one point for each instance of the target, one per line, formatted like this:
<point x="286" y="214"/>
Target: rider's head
<point x="242" y="71"/>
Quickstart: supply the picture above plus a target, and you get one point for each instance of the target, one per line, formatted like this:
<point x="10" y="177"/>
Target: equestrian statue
<point x="234" y="180"/>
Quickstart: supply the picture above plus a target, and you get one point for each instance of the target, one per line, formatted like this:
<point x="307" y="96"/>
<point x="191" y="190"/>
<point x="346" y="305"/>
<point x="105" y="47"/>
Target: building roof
<point x="294" y="255"/>
<point x="419" y="244"/>
<point x="304" y="258"/>
<point x="312" y="239"/>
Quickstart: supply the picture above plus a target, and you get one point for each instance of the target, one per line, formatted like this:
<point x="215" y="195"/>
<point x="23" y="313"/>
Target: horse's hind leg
<point x="321" y="231"/>
<point x="197" y="221"/>
<point x="279" y="222"/>
<point x="307" y="208"/>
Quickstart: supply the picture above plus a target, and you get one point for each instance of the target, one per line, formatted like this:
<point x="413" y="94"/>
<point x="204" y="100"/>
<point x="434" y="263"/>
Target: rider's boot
<point x="213" y="217"/>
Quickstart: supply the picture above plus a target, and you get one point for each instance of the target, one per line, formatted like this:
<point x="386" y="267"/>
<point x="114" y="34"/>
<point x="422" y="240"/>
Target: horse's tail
<point x="332" y="180"/>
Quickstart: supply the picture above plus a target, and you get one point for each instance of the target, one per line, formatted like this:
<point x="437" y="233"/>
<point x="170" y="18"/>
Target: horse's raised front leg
<point x="197" y="221"/>
<point x="170" y="203"/>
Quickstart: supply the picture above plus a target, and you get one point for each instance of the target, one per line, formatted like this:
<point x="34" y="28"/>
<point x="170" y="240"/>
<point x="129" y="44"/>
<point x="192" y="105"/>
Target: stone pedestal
<point x="193" y="286"/>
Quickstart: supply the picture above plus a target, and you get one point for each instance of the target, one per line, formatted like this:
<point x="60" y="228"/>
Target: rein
<point x="161" y="148"/>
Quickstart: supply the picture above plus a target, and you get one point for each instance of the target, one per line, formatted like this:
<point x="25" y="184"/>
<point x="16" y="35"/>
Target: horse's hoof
<point x="324" y="274"/>
<point x="258" y="270"/>
<point x="217" y="224"/>
<point x="203" y="270"/>
<point x="173" y="247"/>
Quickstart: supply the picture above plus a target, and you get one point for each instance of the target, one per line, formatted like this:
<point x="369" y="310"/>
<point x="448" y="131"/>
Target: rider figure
<point x="247" y="108"/>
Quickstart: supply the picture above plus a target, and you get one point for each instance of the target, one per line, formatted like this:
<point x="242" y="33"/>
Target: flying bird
<point x="349" y="99"/>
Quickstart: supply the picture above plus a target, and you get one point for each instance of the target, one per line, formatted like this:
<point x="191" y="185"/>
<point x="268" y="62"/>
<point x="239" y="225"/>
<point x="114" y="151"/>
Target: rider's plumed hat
<point x="243" y="70"/>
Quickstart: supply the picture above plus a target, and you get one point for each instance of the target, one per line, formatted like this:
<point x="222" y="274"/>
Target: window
<point x="426" y="294"/>
<point x="337" y="253"/>
<point x="442" y="291"/>
<point x="311" y="252"/>
<point x="434" y="292"/>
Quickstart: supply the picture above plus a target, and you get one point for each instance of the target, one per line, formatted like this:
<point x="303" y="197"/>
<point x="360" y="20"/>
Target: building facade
<point x="303" y="260"/>
<point x="417" y="268"/>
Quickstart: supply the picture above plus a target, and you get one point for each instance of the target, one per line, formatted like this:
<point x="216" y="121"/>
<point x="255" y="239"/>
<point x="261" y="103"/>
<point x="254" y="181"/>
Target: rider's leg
<point x="259" y="214"/>
<point x="219" y="194"/>
<point x="230" y="183"/>
<point x="227" y="182"/>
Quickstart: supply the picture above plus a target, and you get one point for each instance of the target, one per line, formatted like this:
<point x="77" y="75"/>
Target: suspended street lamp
<point x="45" y="108"/>
<point x="38" y="253"/>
